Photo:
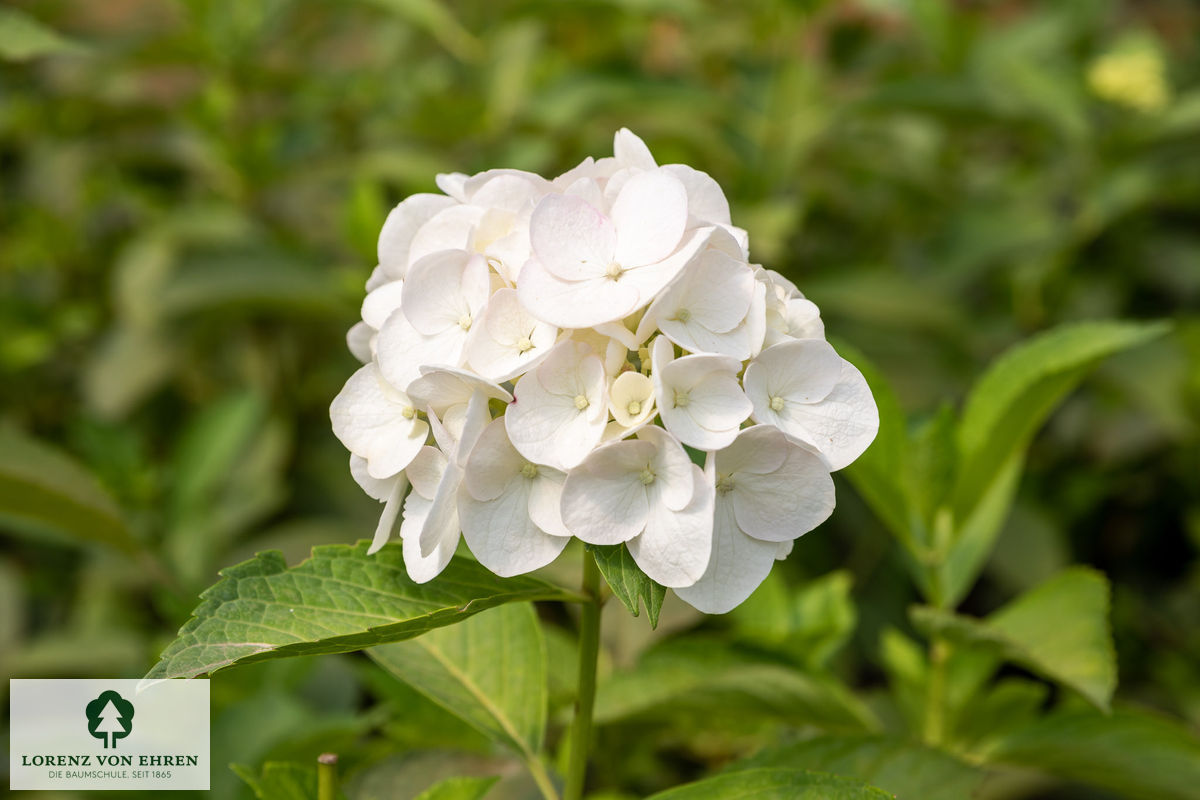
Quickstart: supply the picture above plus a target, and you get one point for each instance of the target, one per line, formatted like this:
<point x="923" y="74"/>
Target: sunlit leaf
<point x="775" y="784"/>
<point x="458" y="789"/>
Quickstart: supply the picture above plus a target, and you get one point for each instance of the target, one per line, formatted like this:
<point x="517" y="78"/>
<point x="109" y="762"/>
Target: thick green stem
<point x="589" y="653"/>
<point x="327" y="776"/>
<point x="935" y="699"/>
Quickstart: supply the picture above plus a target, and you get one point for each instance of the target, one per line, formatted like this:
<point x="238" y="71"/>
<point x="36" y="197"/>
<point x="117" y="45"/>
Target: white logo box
<point x="94" y="733"/>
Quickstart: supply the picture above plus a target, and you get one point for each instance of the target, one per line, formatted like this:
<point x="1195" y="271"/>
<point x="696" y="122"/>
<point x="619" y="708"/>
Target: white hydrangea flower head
<point x="548" y="359"/>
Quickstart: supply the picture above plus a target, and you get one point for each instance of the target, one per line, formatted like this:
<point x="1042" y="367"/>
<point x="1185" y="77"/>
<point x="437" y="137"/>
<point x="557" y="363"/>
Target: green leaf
<point x="458" y="789"/>
<point x="809" y="624"/>
<point x="1136" y="754"/>
<point x="1059" y="630"/>
<point x="22" y="37"/>
<point x="628" y="583"/>
<point x="280" y="780"/>
<point x="44" y="489"/>
<point x="697" y="675"/>
<point x="337" y="601"/>
<point x="774" y="784"/>
<point x="903" y="768"/>
<point x="490" y="671"/>
<point x="1020" y="390"/>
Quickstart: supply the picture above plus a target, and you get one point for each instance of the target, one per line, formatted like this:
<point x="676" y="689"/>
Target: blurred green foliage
<point x="191" y="192"/>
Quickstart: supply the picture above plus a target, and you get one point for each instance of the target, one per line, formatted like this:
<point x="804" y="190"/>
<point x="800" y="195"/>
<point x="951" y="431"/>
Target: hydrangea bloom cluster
<point x="547" y="359"/>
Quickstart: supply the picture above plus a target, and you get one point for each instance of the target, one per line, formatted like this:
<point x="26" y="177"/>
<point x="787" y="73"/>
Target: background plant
<point x="191" y="195"/>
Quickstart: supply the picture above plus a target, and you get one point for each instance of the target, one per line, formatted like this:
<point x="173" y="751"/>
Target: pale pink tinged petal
<point x="736" y="566"/>
<point x="401" y="225"/>
<point x="842" y="425"/>
<point x="493" y="464"/>
<point x="674" y="548"/>
<point x="545" y="501"/>
<point x="378" y="278"/>
<point x="571" y="238"/>
<point x="402" y="350"/>
<point x="358" y="339"/>
<point x="650" y="215"/>
<point x="452" y="229"/>
<point x="588" y="190"/>
<point x="671" y="466"/>
<point x="501" y="534"/>
<point x="443" y="513"/>
<point x="575" y="304"/>
<point x="604" y="499"/>
<point x="434" y="296"/>
<point x="387" y="520"/>
<point x="762" y="448"/>
<point x="369" y="418"/>
<point x="425" y="472"/>
<point x="781" y="505"/>
<point x="381" y="302"/>
<point x="453" y="184"/>
<point x="706" y="201"/>
<point x="631" y="151"/>
<point x="376" y="488"/>
<point x="442" y="387"/>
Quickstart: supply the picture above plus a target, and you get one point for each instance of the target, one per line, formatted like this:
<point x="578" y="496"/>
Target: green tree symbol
<point x="110" y="717"/>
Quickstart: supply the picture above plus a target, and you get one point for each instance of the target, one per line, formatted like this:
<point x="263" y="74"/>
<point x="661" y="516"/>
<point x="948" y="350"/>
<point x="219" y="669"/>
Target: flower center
<point x="682" y="398"/>
<point x="724" y="484"/>
<point x="529" y="470"/>
<point x="634" y="408"/>
<point x="581" y="402"/>
<point x="683" y="315"/>
<point x="614" y="271"/>
<point x="409" y="412"/>
<point x="524" y="345"/>
<point x="777" y="403"/>
<point x="464" y="322"/>
<point x="647" y="477"/>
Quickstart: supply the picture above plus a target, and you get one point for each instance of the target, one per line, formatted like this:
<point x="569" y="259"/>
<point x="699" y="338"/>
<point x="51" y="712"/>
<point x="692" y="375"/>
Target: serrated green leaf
<point x="490" y="671"/>
<point x="1136" y="754"/>
<point x="1059" y="630"/>
<point x="46" y="490"/>
<point x="1020" y="390"/>
<point x="22" y="37"/>
<point x="628" y="583"/>
<point x="458" y="789"/>
<point x="774" y="784"/>
<point x="337" y="601"/>
<point x="695" y="674"/>
<point x="898" y="766"/>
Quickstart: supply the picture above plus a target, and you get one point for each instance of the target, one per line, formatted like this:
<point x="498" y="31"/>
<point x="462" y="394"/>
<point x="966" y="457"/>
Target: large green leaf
<point x="1020" y="390"/>
<point x="708" y="677"/>
<point x="337" y="601"/>
<point x="44" y="489"/>
<point x="809" y="624"/>
<point x="280" y="780"/>
<point x="1136" y="754"/>
<point x="628" y="583"/>
<point x="490" y="671"/>
<point x="903" y="768"/>
<point x="458" y="789"/>
<point x="1059" y="630"/>
<point x="775" y="784"/>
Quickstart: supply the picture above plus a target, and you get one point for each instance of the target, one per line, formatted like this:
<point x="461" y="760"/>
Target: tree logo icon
<point x="110" y="717"/>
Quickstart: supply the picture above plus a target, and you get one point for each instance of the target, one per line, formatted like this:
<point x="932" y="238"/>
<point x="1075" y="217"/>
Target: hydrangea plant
<point x="594" y="356"/>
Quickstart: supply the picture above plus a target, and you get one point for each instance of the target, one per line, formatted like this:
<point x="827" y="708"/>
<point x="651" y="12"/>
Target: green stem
<point x="589" y="653"/>
<point x="327" y="776"/>
<point x="935" y="700"/>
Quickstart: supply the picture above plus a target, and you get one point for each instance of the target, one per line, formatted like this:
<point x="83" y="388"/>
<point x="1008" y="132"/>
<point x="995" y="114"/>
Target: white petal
<point x="445" y="289"/>
<point x="401" y="225"/>
<point x="781" y="505"/>
<point x="509" y="189"/>
<point x="571" y="238"/>
<point x="650" y="215"/>
<point x="377" y="278"/>
<point x="387" y="520"/>
<point x="358" y="339"/>
<point x="381" y="302"/>
<point x="441" y="524"/>
<point x="737" y="565"/>
<point x="369" y="417"/>
<point x="507" y="340"/>
<point x="706" y="201"/>
<point x="402" y="350"/>
<point x="801" y="371"/>
<point x="631" y="398"/>
<point x="650" y="279"/>
<point x="501" y="534"/>
<point x="376" y="488"/>
<point x="760" y="449"/>
<point x="576" y="304"/>
<point x="604" y="499"/>
<point x="714" y="292"/>
<point x="452" y="183"/>
<point x="631" y="151"/>
<point x="425" y="472"/>
<point x="441" y="387"/>
<point x="671" y="466"/>
<point x="545" y="501"/>
<point x="493" y="464"/>
<point x="452" y="228"/>
<point x="674" y="548"/>
<point x="842" y="425"/>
